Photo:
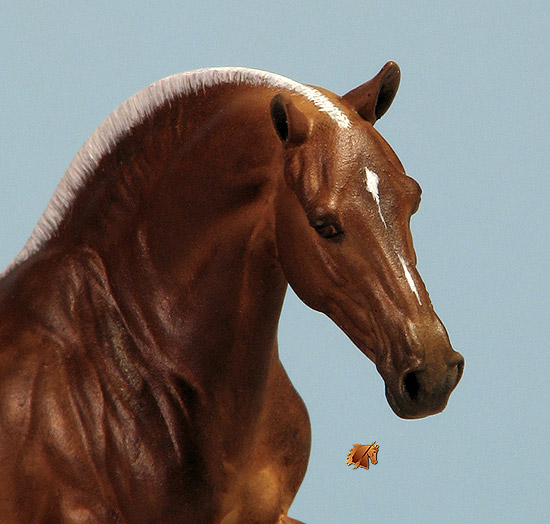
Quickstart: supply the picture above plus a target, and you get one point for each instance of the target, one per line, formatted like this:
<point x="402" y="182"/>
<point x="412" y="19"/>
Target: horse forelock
<point x="134" y="111"/>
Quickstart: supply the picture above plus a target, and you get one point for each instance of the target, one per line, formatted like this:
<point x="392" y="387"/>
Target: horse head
<point x="372" y="452"/>
<point x="345" y="245"/>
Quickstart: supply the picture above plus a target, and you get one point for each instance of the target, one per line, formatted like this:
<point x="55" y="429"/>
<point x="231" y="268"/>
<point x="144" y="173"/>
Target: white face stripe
<point x="372" y="181"/>
<point x="409" y="278"/>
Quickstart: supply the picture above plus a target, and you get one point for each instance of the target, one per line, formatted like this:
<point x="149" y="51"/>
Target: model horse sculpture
<point x="140" y="380"/>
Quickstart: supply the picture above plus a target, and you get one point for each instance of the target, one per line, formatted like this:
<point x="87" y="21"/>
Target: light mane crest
<point x="134" y="110"/>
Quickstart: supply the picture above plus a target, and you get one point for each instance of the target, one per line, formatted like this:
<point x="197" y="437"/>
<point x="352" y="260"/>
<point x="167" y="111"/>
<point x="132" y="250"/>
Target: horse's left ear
<point x="291" y="124"/>
<point x="373" y="98"/>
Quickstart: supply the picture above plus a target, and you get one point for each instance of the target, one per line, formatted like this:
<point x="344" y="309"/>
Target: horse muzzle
<point x="425" y="389"/>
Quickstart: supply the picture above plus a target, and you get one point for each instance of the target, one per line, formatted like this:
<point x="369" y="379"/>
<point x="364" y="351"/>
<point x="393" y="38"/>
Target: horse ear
<point x="373" y="98"/>
<point x="291" y="124"/>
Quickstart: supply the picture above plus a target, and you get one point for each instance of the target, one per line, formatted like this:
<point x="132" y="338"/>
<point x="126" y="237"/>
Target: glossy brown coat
<point x="139" y="373"/>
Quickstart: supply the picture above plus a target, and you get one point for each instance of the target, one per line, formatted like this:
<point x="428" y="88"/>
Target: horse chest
<point x="216" y="469"/>
<point x="256" y="473"/>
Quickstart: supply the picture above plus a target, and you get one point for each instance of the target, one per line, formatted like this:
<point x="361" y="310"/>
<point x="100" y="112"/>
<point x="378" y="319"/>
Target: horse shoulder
<point x="46" y="431"/>
<point x="36" y="433"/>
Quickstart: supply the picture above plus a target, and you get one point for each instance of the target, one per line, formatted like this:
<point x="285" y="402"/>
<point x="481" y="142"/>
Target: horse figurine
<point x="360" y="454"/>
<point x="140" y="380"/>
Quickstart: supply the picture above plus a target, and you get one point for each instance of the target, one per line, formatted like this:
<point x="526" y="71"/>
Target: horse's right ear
<point x="291" y="124"/>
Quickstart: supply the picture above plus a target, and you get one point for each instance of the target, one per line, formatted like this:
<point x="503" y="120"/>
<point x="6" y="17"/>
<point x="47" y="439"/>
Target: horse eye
<point x="328" y="230"/>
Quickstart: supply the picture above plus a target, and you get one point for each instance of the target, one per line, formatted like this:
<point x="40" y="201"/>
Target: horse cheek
<point x="296" y="251"/>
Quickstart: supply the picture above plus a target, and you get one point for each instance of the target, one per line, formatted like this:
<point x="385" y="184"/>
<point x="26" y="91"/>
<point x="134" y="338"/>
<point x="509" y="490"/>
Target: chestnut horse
<point x="140" y="380"/>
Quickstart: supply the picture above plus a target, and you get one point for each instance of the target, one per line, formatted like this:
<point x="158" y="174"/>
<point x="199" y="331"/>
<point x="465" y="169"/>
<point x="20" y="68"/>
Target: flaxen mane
<point x="133" y="111"/>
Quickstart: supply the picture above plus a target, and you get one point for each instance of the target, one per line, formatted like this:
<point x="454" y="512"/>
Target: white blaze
<point x="409" y="278"/>
<point x="372" y="181"/>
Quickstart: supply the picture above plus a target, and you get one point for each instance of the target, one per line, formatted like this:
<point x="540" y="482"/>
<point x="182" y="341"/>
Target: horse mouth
<point x="408" y="410"/>
<point x="413" y="397"/>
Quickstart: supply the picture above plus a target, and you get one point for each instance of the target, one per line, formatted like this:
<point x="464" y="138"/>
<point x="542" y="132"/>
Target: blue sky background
<point x="470" y="123"/>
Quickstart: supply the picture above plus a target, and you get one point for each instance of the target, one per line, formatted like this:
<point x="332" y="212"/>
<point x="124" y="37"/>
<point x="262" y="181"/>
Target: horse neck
<point x="184" y="225"/>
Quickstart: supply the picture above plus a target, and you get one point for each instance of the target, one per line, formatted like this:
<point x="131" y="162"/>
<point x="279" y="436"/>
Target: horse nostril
<point x="459" y="369"/>
<point x="427" y="384"/>
<point x="411" y="385"/>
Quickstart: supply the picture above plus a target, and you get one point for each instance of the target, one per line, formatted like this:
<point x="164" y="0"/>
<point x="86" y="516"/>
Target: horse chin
<point x="410" y="411"/>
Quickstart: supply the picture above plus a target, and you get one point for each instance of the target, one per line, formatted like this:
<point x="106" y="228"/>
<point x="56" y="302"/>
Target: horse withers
<point x="140" y="380"/>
